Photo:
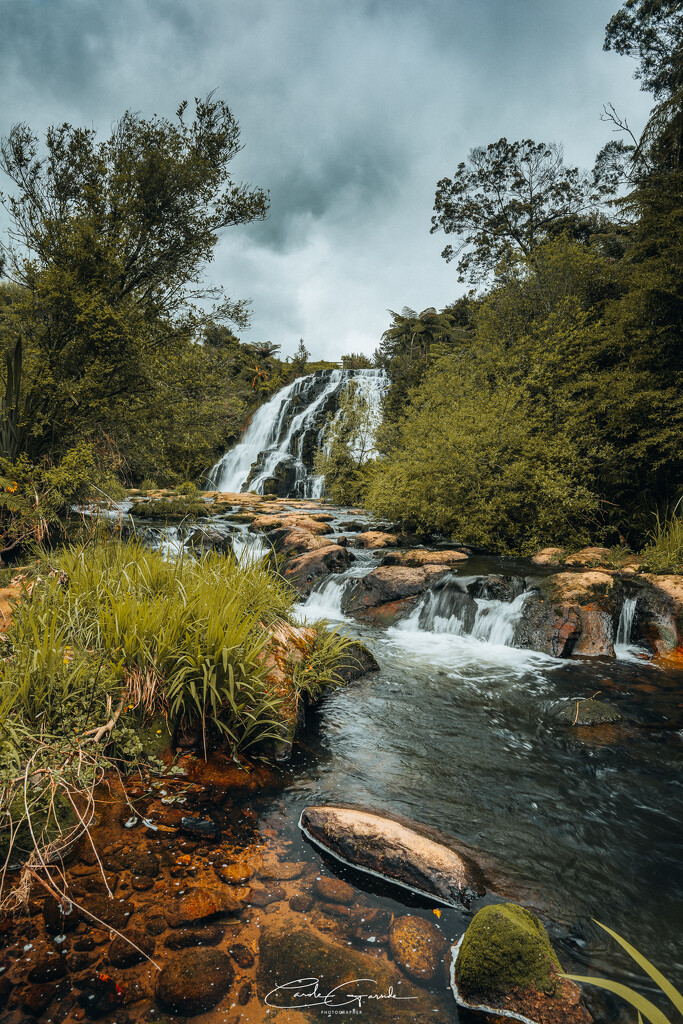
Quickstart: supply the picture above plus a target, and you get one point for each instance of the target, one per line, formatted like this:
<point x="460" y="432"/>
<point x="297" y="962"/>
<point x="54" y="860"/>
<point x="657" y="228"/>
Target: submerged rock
<point x="405" y="853"/>
<point x="337" y="978"/>
<point x="194" y="981"/>
<point x="588" y="712"/>
<point x="505" y="962"/>
<point x="417" y="946"/>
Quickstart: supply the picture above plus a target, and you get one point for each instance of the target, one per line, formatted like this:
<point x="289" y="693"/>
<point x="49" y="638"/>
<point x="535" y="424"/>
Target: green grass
<point x="664" y="552"/>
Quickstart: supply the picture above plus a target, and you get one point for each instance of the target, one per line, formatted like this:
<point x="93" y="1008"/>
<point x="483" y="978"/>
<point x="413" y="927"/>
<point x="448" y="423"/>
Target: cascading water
<point x="451" y="609"/>
<point x="278" y="449"/>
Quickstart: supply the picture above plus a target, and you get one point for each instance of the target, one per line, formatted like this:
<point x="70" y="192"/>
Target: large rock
<point x="391" y="583"/>
<point x="402" y="852"/>
<point x="548" y="556"/>
<point x="291" y="540"/>
<point x="195" y="981"/>
<point x="374" y="539"/>
<point x="302" y="572"/>
<point x="571" y="613"/>
<point x="198" y="904"/>
<point x="422" y="556"/>
<point x="356" y="662"/>
<point x="291" y="949"/>
<point x="659" y="616"/>
<point x="506" y="962"/>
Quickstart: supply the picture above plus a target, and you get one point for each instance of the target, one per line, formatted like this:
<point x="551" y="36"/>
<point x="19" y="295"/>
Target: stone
<point x="234" y="874"/>
<point x="418" y="557"/>
<point x="506" y="962"/>
<point x="187" y="938"/>
<point x="659" y="617"/>
<point x="399" y="850"/>
<point x="195" y="981"/>
<point x="155" y="925"/>
<point x="52" y="968"/>
<point x="292" y="948"/>
<point x="271" y="894"/>
<point x="242" y="955"/>
<point x="374" y="539"/>
<point x="417" y="946"/>
<point x="36" y="1001"/>
<point x="303" y="571"/>
<point x="112" y="912"/>
<point x="60" y="916"/>
<point x="301" y="902"/>
<point x="588" y="712"/>
<point x="391" y="583"/>
<point x="199" y="903"/>
<point x="333" y="890"/>
<point x="282" y="871"/>
<point x="244" y="993"/>
<point x="123" y="954"/>
<point x="571" y="613"/>
<point x="588" y="556"/>
<point x="200" y="828"/>
<point x="548" y="556"/>
<point x="355" y="662"/>
<point x="141" y="883"/>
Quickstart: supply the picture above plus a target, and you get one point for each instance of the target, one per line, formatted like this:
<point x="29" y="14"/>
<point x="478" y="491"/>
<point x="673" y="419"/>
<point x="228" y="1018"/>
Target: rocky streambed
<point x="555" y="770"/>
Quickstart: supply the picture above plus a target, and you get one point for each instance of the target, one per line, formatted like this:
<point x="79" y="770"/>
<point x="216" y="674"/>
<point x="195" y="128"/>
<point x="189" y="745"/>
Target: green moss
<point x="505" y="947"/>
<point x="172" y="509"/>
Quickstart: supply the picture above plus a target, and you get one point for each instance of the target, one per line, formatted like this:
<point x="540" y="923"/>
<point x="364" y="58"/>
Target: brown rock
<point x="374" y="539"/>
<point x="242" y="955"/>
<point x="52" y="968"/>
<point x="333" y="890"/>
<point x="417" y="946"/>
<point x="195" y="981"/>
<point x="123" y="954"/>
<point x="588" y="556"/>
<point x="282" y="871"/>
<point x="302" y="572"/>
<point x="301" y="902"/>
<point x="392" y="583"/>
<point x="270" y="894"/>
<point x="422" y="556"/>
<point x="244" y="993"/>
<point x="571" y="613"/>
<point x="186" y="938"/>
<point x="234" y="874"/>
<point x="548" y="556"/>
<point x="200" y="903"/>
<point x="113" y="912"/>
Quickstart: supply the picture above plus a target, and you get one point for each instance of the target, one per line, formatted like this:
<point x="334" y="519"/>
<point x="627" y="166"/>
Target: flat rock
<point x="391" y="583"/>
<point x="333" y="890"/>
<point x="374" y="539"/>
<point x="418" y="557"/>
<point x="200" y="903"/>
<point x="400" y="851"/>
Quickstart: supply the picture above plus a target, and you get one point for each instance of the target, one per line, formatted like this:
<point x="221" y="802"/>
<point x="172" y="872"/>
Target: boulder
<point x="337" y="978"/>
<point x="405" y="853"/>
<point x="588" y="556"/>
<point x="505" y="962"/>
<point x="356" y="662"/>
<point x="548" y="556"/>
<point x="391" y="583"/>
<point x="571" y="613"/>
<point x="195" y="981"/>
<point x="417" y="946"/>
<point x="374" y="539"/>
<point x="302" y="572"/>
<point x="659" y="616"/>
<point x="333" y="890"/>
<point x="422" y="556"/>
<point x="292" y="541"/>
<point x="389" y="613"/>
<point x="210" y="539"/>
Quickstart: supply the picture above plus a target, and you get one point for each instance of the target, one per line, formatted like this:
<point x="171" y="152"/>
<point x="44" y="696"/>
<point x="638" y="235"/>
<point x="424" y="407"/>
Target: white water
<point x="623" y="648"/>
<point x="286" y="430"/>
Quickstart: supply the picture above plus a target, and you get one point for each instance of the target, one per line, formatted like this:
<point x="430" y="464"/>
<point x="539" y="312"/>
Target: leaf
<point x="643" y="1005"/>
<point x="657" y="976"/>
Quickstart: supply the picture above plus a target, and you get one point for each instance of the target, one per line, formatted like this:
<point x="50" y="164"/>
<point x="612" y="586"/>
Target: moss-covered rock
<point x="505" y="947"/>
<point x="169" y="510"/>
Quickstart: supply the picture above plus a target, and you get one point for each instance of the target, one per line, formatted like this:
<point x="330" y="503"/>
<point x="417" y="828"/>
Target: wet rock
<point x="374" y="539"/>
<point x="187" y="938"/>
<point x="418" y="557"/>
<point x="200" y="828"/>
<point x="548" y="556"/>
<point x="200" y="903"/>
<point x="391" y="583"/>
<point x="506" y="962"/>
<point x="417" y="946"/>
<point x="142" y="861"/>
<point x="496" y="588"/>
<point x="571" y="613"/>
<point x="100" y="994"/>
<point x="195" y="981"/>
<point x="123" y="954"/>
<point x="333" y="890"/>
<point x="371" y="926"/>
<point x="242" y="955"/>
<point x="156" y="925"/>
<point x="52" y="968"/>
<point x="588" y="712"/>
<point x="6" y="987"/>
<point x="302" y="572"/>
<point x="270" y="894"/>
<point x="60" y="916"/>
<point x="235" y="874"/>
<point x="292" y="948"/>
<point x="84" y="944"/>
<point x="336" y="910"/>
<point x="244" y="993"/>
<point x="356" y="662"/>
<point x="141" y="883"/>
<point x="210" y="539"/>
<point x="659" y="616"/>
<point x="389" y="613"/>
<point x="282" y="871"/>
<point x="38" y="998"/>
<point x="301" y="902"/>
<point x="113" y="912"/>
<point x="403" y="852"/>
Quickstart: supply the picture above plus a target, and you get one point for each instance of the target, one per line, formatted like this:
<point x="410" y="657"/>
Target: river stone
<point x="333" y="890"/>
<point x="417" y="946"/>
<point x="195" y="981"/>
<point x="571" y="613"/>
<point x="282" y="871"/>
<point x="122" y="954"/>
<point x="402" y="852"/>
<point x="200" y="903"/>
<point x="302" y="572"/>
<point x="506" y="962"/>
<point x="291" y="948"/>
<point x="235" y="874"/>
<point x="391" y="583"/>
<point x="111" y="911"/>
<point x="52" y="968"/>
<point x="588" y="712"/>
<point x="186" y="938"/>
<point x="270" y="894"/>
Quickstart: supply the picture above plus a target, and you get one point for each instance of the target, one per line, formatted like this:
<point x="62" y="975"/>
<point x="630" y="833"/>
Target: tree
<point x="108" y="241"/>
<point x="356" y="361"/>
<point x="506" y="199"/>
<point x="652" y="32"/>
<point x="300" y="358"/>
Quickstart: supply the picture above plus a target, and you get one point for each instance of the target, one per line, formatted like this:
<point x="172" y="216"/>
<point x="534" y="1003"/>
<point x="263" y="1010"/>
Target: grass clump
<point x="169" y="509"/>
<point x="664" y="552"/>
<point x="111" y="636"/>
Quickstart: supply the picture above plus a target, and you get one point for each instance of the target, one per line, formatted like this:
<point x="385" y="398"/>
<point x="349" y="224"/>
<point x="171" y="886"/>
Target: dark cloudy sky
<point x="350" y="110"/>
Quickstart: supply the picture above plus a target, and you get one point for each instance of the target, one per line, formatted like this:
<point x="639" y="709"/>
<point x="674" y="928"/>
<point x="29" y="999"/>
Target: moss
<point x="589" y="712"/>
<point x="173" y="509"/>
<point x="505" y="947"/>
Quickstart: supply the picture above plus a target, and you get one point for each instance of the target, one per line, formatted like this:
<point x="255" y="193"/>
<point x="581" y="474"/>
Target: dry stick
<point x="103" y="730"/>
<point x="580" y="701"/>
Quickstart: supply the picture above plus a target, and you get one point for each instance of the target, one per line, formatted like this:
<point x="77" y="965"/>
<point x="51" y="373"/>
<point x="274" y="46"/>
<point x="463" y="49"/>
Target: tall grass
<point x="664" y="552"/>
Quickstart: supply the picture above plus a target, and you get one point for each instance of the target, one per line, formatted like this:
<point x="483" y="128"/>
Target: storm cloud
<point x="350" y="111"/>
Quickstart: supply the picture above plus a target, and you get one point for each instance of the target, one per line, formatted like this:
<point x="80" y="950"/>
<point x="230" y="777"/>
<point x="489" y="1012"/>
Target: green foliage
<point x="356" y="361"/>
<point x="169" y="509"/>
<point x="644" y="1006"/>
<point x="348" y="447"/>
<point x="300" y="359"/>
<point x="664" y="551"/>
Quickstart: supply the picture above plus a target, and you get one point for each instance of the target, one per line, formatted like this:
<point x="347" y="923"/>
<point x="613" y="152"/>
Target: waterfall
<point x="278" y="448"/>
<point x="449" y="608"/>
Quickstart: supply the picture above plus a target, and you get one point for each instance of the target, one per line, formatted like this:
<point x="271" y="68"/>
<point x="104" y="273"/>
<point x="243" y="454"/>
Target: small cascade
<point x="278" y="448"/>
<point x="624" y="648"/>
<point x="450" y="608"/>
